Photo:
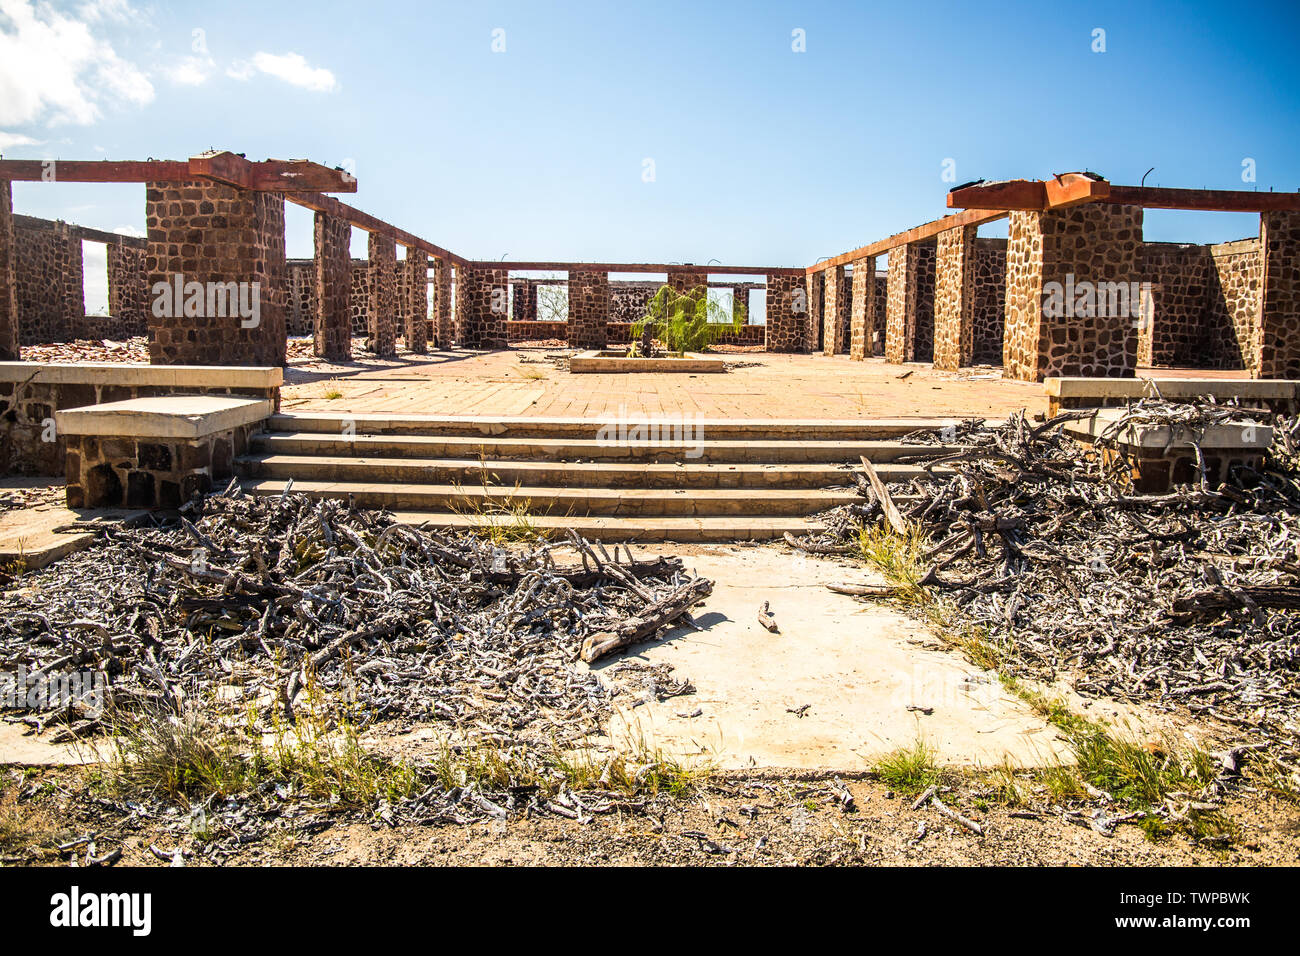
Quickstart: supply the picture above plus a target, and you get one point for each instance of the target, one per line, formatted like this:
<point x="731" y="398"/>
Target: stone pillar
<point x="787" y="313"/>
<point x="1066" y="270"/>
<point x="482" y="300"/>
<point x="231" y="242"/>
<point x="990" y="299"/>
<point x="833" y="310"/>
<point x="442" y="303"/>
<point x="900" y="304"/>
<point x="954" y="299"/>
<point x="128" y="288"/>
<point x="74" y="283"/>
<point x="862" y="321"/>
<point x="417" y="301"/>
<point x="332" y="319"/>
<point x="814" y="290"/>
<point x="1279" y="316"/>
<point x="381" y="320"/>
<point x="9" y="350"/>
<point x="588" y="309"/>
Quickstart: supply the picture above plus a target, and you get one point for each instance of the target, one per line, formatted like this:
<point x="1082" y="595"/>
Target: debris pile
<point x="262" y="597"/>
<point x="1186" y="599"/>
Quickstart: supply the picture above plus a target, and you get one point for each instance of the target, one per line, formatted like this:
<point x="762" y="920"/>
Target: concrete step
<point x="602" y="528"/>
<point x="525" y="426"/>
<point x="559" y="501"/>
<point x="474" y="473"/>
<point x="460" y="447"/>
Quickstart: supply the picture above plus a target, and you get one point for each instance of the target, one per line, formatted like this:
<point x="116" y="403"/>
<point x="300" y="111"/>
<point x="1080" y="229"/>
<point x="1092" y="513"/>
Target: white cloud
<point x="130" y="231"/>
<point x="293" y="68"/>
<point x="191" y="71"/>
<point x="16" y="139"/>
<point x="53" y="68"/>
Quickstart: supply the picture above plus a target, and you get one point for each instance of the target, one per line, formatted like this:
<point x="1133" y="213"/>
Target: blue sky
<point x="762" y="155"/>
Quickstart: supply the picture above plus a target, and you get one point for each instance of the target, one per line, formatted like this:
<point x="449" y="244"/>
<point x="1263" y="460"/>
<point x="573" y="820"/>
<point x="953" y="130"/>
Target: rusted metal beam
<point x="968" y="217"/>
<point x="715" y="269"/>
<point x="1072" y="189"/>
<point x="272" y="175"/>
<point x="369" y="223"/>
<point x="1012" y="194"/>
<point x="1204" y="200"/>
<point x="81" y="232"/>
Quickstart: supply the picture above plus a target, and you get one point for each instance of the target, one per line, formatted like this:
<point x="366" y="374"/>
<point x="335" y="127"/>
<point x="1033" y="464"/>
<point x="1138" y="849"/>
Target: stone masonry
<point x="128" y="287"/>
<point x="442" y="303"/>
<point x="332" y="283"/>
<point x="990" y="300"/>
<point x="482" y="301"/>
<point x="954" y="299"/>
<point x="900" y="307"/>
<point x="8" y="298"/>
<point x="382" y="256"/>
<point x="215" y="235"/>
<point x="50" y="280"/>
<point x="588" y="308"/>
<point x="835" y="314"/>
<point x="787" y="313"/>
<point x="416" y="288"/>
<point x="862" y="312"/>
<point x="814" y="290"/>
<point x="1093" y="243"/>
<point x="1279" y="317"/>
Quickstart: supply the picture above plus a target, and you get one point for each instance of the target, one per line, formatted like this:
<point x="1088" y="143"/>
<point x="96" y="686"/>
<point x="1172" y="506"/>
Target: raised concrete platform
<point x="1078" y="392"/>
<point x="617" y="360"/>
<point x="131" y="375"/>
<point x="1243" y="435"/>
<point x="185" y="417"/>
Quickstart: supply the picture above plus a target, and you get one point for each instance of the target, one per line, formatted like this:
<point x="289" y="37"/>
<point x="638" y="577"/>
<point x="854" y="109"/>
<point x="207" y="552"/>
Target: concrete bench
<point x="154" y="452"/>
<point x="1069" y="392"/>
<point x="1162" y="454"/>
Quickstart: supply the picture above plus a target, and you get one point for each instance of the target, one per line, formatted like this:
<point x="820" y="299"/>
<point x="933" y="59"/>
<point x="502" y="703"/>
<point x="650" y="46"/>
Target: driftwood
<point x="765" y="618"/>
<point x="892" y="513"/>
<point x="652" y="619"/>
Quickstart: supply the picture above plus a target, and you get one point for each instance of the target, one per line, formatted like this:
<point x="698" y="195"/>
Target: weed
<point x="909" y="770"/>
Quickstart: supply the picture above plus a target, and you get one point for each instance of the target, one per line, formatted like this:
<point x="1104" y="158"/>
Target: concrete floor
<point x="860" y="667"/>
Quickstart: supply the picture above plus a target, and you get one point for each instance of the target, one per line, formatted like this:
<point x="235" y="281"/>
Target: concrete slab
<point x="611" y="360"/>
<point x="30" y="533"/>
<point x="186" y="417"/>
<point x="1243" y="435"/>
<point x="19" y="746"/>
<point x="867" y="674"/>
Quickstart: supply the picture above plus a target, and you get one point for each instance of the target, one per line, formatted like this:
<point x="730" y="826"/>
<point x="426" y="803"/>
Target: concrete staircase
<point x="724" y="481"/>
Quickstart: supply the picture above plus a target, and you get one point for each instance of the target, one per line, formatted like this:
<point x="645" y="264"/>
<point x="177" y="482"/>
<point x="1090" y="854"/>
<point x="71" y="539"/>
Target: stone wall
<point x="128" y="289"/>
<point x="301" y="296"/>
<point x="213" y="233"/>
<point x="9" y="321"/>
<point x="787" y="313"/>
<point x="359" y="297"/>
<point x="1172" y="327"/>
<point x="482" y="302"/>
<point x="588" y="309"/>
<point x="382" y="281"/>
<point x="990" y="300"/>
<point x="863" y="318"/>
<point x="900" y="303"/>
<point x="1096" y="243"/>
<point x="332" y="288"/>
<point x="1234" y="274"/>
<point x="814" y="301"/>
<point x="954" y="299"/>
<point x="1279" y="352"/>
<point x="50" y="280"/>
<point x="160" y="473"/>
<point x="836" y="299"/>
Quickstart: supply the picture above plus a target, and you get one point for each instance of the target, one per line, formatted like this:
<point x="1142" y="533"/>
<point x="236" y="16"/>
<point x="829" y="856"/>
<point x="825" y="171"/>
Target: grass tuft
<point x="909" y="770"/>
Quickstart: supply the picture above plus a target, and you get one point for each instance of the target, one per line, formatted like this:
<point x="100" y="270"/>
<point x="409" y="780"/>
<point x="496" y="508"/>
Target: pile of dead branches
<point x="1186" y="599"/>
<point x="267" y="598"/>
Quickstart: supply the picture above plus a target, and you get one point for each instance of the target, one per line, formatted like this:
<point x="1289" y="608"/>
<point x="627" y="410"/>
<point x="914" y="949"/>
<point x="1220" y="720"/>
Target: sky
<point x="765" y="134"/>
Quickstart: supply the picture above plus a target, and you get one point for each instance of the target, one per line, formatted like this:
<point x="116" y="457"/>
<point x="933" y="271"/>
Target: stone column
<point x="128" y="290"/>
<point x="332" y="318"/>
<point x="417" y="301"/>
<point x="833" y="313"/>
<point x="482" y="301"/>
<point x="954" y="300"/>
<point x="900" y="304"/>
<point x="814" y="290"/>
<point x="862" y="322"/>
<point x="74" y="283"/>
<point x="442" y="303"/>
<point x="687" y="280"/>
<point x="1066" y="270"/>
<point x="787" y="313"/>
<point x="381" y="325"/>
<point x="230" y="242"/>
<point x="588" y="309"/>
<point x="1279" y="316"/>
<point x="990" y="299"/>
<point x="524" y="307"/>
<point x="9" y="350"/>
